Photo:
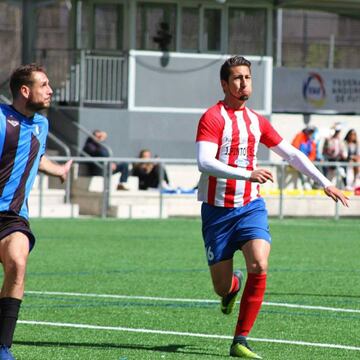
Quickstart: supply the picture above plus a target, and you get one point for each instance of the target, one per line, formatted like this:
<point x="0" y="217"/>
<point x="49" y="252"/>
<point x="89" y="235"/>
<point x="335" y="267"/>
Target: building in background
<point x="105" y="65"/>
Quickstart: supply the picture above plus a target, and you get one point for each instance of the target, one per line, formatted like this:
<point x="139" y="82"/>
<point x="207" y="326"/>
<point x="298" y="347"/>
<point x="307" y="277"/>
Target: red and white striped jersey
<point x="237" y="134"/>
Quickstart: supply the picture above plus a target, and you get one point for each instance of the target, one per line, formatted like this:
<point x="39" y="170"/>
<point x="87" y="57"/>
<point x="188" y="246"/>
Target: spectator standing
<point x="94" y="148"/>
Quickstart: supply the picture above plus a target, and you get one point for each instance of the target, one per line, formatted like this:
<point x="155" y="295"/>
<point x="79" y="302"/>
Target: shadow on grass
<point x="171" y="348"/>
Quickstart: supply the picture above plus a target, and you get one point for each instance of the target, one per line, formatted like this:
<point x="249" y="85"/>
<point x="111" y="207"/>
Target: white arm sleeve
<point x="300" y="162"/>
<point x="207" y="163"/>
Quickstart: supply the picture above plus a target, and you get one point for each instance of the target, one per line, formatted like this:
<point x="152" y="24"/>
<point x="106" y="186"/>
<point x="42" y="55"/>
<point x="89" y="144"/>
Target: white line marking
<point x="309" y="307"/>
<point x="204" y="301"/>
<point x="178" y="333"/>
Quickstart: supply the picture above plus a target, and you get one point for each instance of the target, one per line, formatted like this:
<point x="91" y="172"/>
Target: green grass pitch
<point x="68" y="311"/>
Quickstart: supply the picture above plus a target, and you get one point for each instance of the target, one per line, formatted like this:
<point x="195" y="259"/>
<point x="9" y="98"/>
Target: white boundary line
<point x="205" y="301"/>
<point x="178" y="333"/>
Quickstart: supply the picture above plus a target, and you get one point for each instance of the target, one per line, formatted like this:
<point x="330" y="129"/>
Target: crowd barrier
<point x="283" y="197"/>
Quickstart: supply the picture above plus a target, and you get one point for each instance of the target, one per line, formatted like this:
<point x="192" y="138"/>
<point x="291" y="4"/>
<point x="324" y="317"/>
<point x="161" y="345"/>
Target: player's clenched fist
<point x="261" y="176"/>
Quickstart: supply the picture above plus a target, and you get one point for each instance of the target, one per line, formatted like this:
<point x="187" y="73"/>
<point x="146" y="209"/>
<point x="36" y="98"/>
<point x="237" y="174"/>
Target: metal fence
<point x="84" y="77"/>
<point x="279" y="167"/>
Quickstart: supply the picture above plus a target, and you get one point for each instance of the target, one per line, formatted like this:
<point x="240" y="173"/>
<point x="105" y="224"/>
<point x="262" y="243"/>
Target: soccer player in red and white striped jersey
<point x="233" y="213"/>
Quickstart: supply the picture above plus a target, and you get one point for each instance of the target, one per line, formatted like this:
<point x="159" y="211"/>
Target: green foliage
<point x="313" y="262"/>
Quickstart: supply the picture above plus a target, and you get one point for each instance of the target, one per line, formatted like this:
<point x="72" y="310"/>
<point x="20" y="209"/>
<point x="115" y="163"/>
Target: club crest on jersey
<point x="12" y="121"/>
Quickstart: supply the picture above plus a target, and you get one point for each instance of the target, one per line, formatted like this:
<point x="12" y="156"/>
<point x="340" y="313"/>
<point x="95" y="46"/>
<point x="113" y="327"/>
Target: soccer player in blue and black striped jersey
<point x="23" y="133"/>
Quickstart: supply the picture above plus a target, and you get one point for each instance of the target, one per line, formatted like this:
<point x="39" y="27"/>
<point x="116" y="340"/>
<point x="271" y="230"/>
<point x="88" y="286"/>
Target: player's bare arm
<point x="54" y="169"/>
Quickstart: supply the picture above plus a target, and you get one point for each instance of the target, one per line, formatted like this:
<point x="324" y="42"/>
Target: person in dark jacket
<point x="94" y="148"/>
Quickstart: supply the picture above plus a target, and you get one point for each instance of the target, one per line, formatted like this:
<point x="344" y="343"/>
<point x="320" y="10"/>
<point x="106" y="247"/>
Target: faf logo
<point x="314" y="90"/>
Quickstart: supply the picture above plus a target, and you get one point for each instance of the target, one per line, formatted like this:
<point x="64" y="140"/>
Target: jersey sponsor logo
<point x="12" y="121"/>
<point x="235" y="150"/>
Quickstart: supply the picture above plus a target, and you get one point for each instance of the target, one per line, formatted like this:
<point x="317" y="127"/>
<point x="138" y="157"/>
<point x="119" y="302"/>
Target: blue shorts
<point x="226" y="230"/>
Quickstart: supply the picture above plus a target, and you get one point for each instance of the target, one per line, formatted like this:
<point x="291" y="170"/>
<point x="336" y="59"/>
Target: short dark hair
<point x="23" y="76"/>
<point x="142" y="152"/>
<point x="233" y="61"/>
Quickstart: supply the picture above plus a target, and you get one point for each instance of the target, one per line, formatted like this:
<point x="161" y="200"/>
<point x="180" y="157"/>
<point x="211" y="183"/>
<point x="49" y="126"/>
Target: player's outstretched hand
<point x="66" y="168"/>
<point x="261" y="176"/>
<point x="336" y="195"/>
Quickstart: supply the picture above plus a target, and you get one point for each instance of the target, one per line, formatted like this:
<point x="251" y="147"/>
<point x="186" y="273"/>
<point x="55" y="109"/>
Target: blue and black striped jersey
<point x="22" y="143"/>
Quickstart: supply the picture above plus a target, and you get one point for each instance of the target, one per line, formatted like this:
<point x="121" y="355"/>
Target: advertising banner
<point x="316" y="90"/>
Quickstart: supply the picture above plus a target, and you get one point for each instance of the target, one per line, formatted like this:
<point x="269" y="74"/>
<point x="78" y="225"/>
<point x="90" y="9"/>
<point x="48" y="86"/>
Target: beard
<point x="241" y="97"/>
<point x="36" y="106"/>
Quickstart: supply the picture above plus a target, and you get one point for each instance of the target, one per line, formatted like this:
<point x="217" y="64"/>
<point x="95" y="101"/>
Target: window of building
<point x="190" y="29"/>
<point x="319" y="40"/>
<point x="53" y="39"/>
<point x="347" y="43"/>
<point x="52" y="26"/>
<point x="304" y="42"/>
<point x="108" y="24"/>
<point x="156" y="26"/>
<point x="247" y="29"/>
<point x="212" y="30"/>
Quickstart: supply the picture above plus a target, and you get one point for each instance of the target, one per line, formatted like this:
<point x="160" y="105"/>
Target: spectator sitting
<point x="148" y="172"/>
<point x="305" y="142"/>
<point x="333" y="150"/>
<point x="352" y="154"/>
<point x="94" y="148"/>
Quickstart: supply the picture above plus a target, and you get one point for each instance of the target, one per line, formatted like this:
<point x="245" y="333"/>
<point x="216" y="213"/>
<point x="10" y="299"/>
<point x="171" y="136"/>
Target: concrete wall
<point x="168" y="135"/>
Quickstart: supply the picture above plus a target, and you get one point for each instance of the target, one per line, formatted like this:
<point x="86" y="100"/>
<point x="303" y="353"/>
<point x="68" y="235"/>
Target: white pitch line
<point x="178" y="333"/>
<point x="204" y="301"/>
<point x="111" y="296"/>
<point x="310" y="307"/>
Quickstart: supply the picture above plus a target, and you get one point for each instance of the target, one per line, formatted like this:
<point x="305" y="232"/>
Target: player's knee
<point x="15" y="269"/>
<point x="259" y="267"/>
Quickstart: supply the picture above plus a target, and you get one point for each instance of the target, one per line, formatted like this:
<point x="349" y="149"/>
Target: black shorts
<point x="11" y="222"/>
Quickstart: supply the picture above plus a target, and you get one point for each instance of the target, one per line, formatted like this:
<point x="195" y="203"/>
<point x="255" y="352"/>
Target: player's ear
<point x="25" y="91"/>
<point x="224" y="85"/>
